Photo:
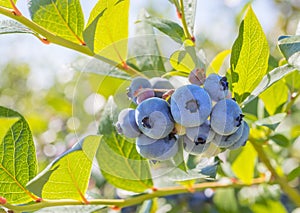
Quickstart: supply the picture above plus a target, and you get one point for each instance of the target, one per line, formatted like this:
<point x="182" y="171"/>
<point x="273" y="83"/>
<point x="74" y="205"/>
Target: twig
<point x="282" y="181"/>
<point x="120" y="203"/>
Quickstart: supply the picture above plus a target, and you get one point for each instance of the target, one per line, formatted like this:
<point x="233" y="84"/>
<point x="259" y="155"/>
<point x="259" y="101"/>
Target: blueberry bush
<point x="177" y="133"/>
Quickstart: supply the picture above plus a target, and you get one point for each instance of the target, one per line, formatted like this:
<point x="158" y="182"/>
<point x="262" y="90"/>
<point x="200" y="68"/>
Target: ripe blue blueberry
<point x="160" y="83"/>
<point x="157" y="149"/>
<point x="225" y="141"/>
<point x="243" y="139"/>
<point x="216" y="86"/>
<point x="153" y="118"/>
<point x="190" y="105"/>
<point x="198" y="134"/>
<point x="137" y="84"/>
<point x="126" y="124"/>
<point x="194" y="148"/>
<point x="226" y="117"/>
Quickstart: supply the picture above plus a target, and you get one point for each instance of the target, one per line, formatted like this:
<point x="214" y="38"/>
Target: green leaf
<point x="178" y="159"/>
<point x="17" y="157"/>
<point x="170" y="28"/>
<point x="280" y="139"/>
<point x="268" y="80"/>
<point x="225" y="200"/>
<point x="72" y="209"/>
<point x="144" y="48"/>
<point x="275" y="96"/>
<point x="295" y="173"/>
<point x="182" y="176"/>
<point x="210" y="170"/>
<point x="99" y="67"/>
<point x="244" y="164"/>
<point x="62" y="18"/>
<point x="176" y="3"/>
<point x="292" y="80"/>
<point x="290" y="48"/>
<point x="120" y="163"/>
<point x="216" y="63"/>
<point x="268" y="206"/>
<point x="6" y="3"/>
<point x="10" y="26"/>
<point x="271" y="121"/>
<point x="107" y="29"/>
<point x="67" y="176"/>
<point x="249" y="58"/>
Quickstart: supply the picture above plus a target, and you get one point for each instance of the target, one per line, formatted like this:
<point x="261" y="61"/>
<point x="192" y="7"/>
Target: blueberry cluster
<point x="201" y="114"/>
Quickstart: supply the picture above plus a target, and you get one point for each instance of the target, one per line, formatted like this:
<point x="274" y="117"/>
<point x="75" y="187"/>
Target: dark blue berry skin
<point x="194" y="148"/>
<point x="136" y="85"/>
<point x="157" y="149"/>
<point x="216" y="86"/>
<point x="243" y="139"/>
<point x="225" y="141"/>
<point x="126" y="124"/>
<point x="160" y="83"/>
<point x="154" y="119"/>
<point x="226" y="117"/>
<point x="198" y="134"/>
<point x="190" y="105"/>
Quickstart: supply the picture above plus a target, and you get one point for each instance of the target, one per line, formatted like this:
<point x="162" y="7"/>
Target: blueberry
<point x="243" y="139"/>
<point x="157" y="149"/>
<point x="225" y="141"/>
<point x="144" y="94"/>
<point x="226" y="117"/>
<point x="194" y="148"/>
<point x="198" y="134"/>
<point x="160" y="83"/>
<point x="190" y="105"/>
<point x="216" y="86"/>
<point x="126" y="124"/>
<point x="153" y="118"/>
<point x="197" y="76"/>
<point x="136" y="85"/>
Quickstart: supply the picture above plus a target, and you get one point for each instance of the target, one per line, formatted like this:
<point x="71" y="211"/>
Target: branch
<point x="52" y="38"/>
<point x="291" y="103"/>
<point x="282" y="181"/>
<point x="121" y="203"/>
<point x="183" y="21"/>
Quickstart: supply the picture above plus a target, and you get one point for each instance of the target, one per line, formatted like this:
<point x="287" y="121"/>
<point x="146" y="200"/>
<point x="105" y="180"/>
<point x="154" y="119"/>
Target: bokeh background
<point x="41" y="81"/>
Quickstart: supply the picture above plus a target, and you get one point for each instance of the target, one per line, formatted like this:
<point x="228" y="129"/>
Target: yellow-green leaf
<point x="62" y="18"/>
<point x="275" y="96"/>
<point x="268" y="206"/>
<point x="249" y="57"/>
<point x="17" y="157"/>
<point x="107" y="29"/>
<point x="244" y="164"/>
<point x="269" y="79"/>
<point x="216" y="63"/>
<point x="67" y="177"/>
<point x="292" y="80"/>
<point x="7" y="3"/>
<point x="186" y="59"/>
